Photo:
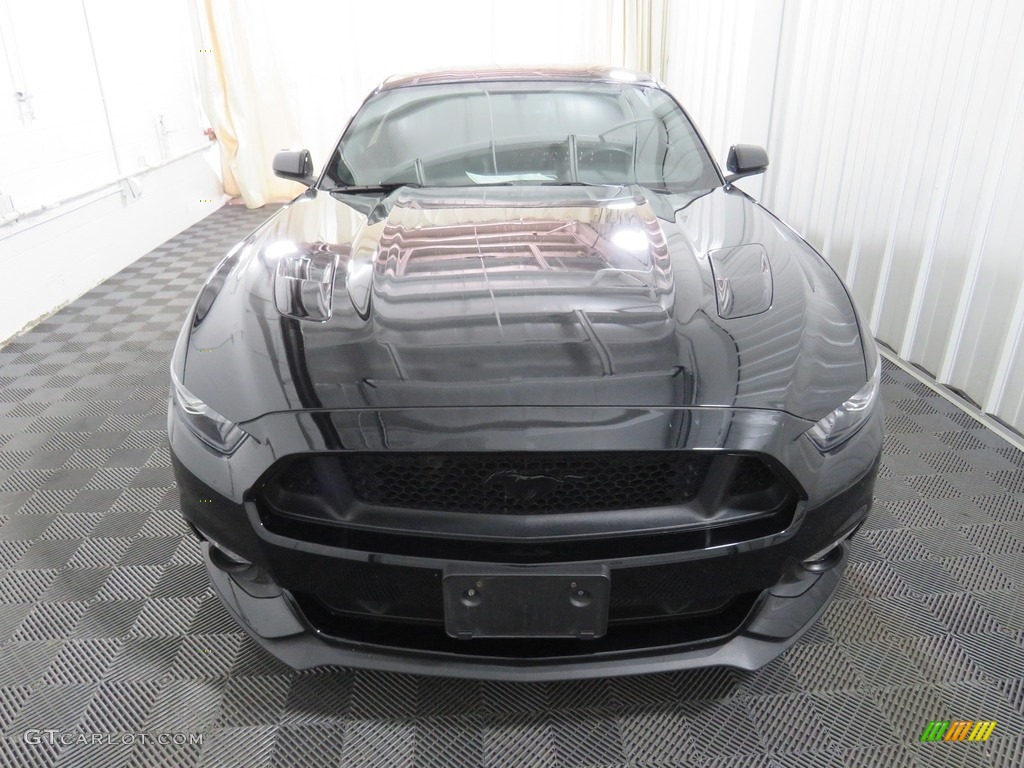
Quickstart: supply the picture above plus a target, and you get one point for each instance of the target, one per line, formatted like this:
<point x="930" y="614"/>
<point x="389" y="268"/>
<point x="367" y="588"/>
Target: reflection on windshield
<point x="511" y="133"/>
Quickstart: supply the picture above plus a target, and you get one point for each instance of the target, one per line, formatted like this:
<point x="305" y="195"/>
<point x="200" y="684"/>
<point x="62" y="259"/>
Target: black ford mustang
<point x="522" y="387"/>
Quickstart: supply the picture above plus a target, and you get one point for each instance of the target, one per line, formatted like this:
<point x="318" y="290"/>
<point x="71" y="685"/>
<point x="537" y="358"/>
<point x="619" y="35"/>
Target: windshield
<point x="466" y="134"/>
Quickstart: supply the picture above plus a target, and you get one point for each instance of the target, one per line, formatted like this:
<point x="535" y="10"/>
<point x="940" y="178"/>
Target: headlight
<point x="204" y="422"/>
<point x="843" y="423"/>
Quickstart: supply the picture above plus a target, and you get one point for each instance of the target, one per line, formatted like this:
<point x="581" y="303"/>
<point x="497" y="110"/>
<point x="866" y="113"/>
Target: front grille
<point x="526" y="507"/>
<point x="525" y="483"/>
<point x="520" y="483"/>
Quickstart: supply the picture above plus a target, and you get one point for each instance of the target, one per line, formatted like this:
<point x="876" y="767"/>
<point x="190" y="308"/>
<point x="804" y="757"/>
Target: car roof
<point x="579" y="74"/>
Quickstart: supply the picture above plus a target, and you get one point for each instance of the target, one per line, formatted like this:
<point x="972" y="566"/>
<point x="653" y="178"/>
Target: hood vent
<point x="743" y="280"/>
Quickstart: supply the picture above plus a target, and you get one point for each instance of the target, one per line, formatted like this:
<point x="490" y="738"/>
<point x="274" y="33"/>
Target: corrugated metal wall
<point x="896" y="137"/>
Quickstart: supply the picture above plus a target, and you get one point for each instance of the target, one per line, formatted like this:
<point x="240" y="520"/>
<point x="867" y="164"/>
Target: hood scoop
<point x="560" y="252"/>
<point x="743" y="280"/>
<point x="538" y="290"/>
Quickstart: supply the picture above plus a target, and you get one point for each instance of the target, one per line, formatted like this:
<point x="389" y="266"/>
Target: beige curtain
<point x="640" y="31"/>
<point x="246" y="99"/>
<point x="288" y="75"/>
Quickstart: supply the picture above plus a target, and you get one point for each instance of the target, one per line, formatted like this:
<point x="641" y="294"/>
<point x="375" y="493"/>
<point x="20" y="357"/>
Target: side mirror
<point x="745" y="160"/>
<point x="295" y="165"/>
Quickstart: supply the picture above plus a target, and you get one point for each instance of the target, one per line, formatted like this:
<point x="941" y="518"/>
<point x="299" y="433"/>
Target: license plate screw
<point x="573" y="585"/>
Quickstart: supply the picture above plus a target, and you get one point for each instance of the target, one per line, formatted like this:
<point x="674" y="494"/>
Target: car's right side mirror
<point x="296" y="165"/>
<point x="745" y="160"/>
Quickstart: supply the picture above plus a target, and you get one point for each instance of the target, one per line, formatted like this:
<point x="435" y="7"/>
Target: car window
<point x="466" y="134"/>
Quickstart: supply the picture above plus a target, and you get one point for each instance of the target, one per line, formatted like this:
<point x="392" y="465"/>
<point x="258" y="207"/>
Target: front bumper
<point x="777" y="622"/>
<point x="746" y="634"/>
<point x="739" y="603"/>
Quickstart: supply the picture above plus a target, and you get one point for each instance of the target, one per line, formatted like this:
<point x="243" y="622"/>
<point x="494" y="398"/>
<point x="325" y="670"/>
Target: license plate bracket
<point x="526" y="602"/>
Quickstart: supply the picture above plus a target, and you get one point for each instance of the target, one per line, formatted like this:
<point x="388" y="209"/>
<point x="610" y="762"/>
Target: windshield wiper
<point x="583" y="184"/>
<point x="375" y="189"/>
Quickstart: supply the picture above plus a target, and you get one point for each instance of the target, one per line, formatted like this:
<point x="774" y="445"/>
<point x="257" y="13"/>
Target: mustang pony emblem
<point x="526" y="487"/>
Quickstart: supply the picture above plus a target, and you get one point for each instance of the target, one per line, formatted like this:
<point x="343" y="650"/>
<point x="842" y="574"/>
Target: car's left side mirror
<point x="295" y="165"/>
<point x="745" y="160"/>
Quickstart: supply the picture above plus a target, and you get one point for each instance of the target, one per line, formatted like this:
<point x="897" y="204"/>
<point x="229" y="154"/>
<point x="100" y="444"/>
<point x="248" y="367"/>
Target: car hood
<point x="525" y="296"/>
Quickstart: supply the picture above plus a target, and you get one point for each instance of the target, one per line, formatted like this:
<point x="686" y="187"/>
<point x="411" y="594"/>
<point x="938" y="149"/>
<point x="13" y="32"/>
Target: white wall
<point x="99" y="74"/>
<point x="45" y="265"/>
<point x="896" y="137"/>
<point x="720" y="64"/>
